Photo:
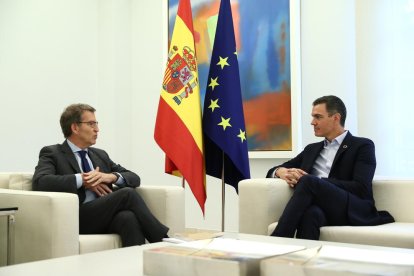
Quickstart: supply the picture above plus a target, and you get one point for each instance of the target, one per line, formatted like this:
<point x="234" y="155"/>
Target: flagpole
<point x="223" y="197"/>
<point x="223" y="118"/>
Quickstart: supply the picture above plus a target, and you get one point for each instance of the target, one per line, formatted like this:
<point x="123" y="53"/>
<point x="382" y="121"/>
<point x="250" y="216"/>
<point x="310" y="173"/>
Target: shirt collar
<point x="74" y="147"/>
<point x="339" y="139"/>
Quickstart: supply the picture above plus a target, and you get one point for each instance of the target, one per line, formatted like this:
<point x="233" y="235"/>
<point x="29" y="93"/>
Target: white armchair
<point x="47" y="223"/>
<point x="262" y="201"/>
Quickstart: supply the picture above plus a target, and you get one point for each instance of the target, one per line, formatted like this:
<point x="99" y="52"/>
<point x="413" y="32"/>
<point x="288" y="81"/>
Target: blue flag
<point x="224" y="130"/>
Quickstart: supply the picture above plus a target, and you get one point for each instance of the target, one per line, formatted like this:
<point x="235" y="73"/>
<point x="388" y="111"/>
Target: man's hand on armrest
<point x="290" y="175"/>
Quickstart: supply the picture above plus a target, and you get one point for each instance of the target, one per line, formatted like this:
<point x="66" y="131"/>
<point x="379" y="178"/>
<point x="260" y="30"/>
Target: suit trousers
<point x="122" y="212"/>
<point x="314" y="203"/>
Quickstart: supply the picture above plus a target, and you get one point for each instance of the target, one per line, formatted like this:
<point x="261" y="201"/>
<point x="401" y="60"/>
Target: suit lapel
<point x="314" y="152"/>
<point x="96" y="160"/>
<point x="70" y="157"/>
<point x="342" y="148"/>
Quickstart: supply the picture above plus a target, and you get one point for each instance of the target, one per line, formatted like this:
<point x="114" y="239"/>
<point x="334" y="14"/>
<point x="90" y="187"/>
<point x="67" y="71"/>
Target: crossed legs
<point x="123" y="212"/>
<point x="315" y="203"/>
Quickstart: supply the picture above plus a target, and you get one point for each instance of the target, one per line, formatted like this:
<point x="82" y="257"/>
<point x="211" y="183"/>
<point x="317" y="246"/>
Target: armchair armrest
<point x="261" y="202"/>
<point x="47" y="224"/>
<point x="167" y="204"/>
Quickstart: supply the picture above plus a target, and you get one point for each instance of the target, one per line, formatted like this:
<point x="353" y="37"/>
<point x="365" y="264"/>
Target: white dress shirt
<point x="323" y="163"/>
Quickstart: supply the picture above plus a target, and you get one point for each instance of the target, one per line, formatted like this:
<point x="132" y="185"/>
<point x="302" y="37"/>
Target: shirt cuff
<point x="274" y="173"/>
<point x="120" y="182"/>
<point x="78" y="180"/>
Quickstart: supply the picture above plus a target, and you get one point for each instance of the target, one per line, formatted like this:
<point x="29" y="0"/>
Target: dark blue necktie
<point x="84" y="161"/>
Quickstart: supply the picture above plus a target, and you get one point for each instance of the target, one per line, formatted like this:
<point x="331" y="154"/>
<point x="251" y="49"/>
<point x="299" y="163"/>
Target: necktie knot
<point x="84" y="161"/>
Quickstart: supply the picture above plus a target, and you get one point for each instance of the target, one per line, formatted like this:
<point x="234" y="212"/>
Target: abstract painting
<point x="263" y="37"/>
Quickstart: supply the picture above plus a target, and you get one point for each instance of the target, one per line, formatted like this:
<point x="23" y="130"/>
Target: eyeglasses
<point x="93" y="124"/>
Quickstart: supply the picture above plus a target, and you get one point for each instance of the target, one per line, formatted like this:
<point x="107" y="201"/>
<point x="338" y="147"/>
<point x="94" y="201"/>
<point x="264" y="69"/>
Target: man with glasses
<point x="76" y="167"/>
<point x="332" y="179"/>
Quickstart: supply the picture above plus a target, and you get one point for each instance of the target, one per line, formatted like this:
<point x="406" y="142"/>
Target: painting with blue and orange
<point x="262" y="30"/>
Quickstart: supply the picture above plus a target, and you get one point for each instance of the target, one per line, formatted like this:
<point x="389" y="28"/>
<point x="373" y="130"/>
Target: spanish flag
<point x="178" y="129"/>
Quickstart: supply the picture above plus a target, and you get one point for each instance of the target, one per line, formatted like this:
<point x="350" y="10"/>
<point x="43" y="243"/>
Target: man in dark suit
<point x="332" y="179"/>
<point x="76" y="167"/>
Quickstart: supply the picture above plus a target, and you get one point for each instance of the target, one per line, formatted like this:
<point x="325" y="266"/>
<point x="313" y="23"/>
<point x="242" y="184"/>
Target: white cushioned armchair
<point x="262" y="201"/>
<point x="47" y="223"/>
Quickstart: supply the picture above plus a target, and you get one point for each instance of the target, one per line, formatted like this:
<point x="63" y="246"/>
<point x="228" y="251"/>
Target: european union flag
<point x="224" y="130"/>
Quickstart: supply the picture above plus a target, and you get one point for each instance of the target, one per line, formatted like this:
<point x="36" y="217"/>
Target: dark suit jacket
<point x="57" y="166"/>
<point x="352" y="170"/>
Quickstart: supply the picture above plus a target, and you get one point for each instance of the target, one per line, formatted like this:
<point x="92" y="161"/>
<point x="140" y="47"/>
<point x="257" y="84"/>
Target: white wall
<point x="385" y="43"/>
<point x="111" y="54"/>
<point x="328" y="58"/>
<point x="47" y="59"/>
